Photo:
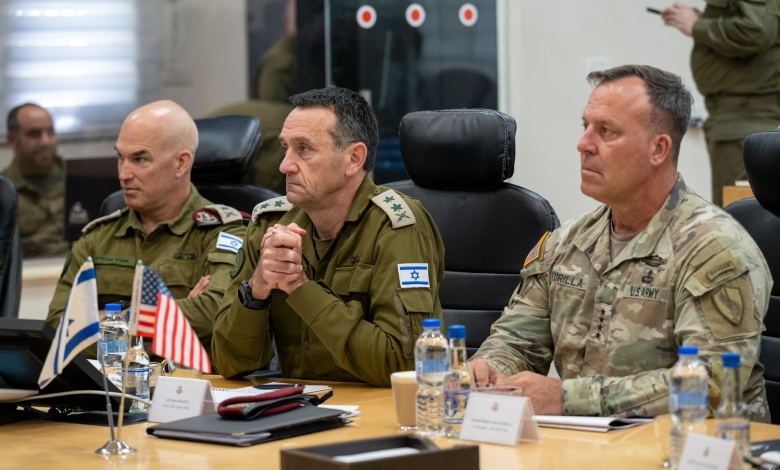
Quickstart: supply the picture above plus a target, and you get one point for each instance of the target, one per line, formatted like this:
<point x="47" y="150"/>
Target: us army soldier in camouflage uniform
<point x="610" y="295"/>
<point x="167" y="224"/>
<point x="340" y="272"/>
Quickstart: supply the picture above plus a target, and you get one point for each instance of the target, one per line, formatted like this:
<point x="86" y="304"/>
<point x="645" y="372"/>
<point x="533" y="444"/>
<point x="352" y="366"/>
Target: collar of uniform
<point x="14" y="173"/>
<point x="179" y="225"/>
<point x="362" y="199"/>
<point x="645" y="241"/>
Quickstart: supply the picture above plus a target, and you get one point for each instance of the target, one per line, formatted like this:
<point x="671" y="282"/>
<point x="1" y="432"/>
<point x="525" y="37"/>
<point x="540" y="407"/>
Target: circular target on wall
<point x="468" y="14"/>
<point x="366" y="16"/>
<point x="415" y="15"/>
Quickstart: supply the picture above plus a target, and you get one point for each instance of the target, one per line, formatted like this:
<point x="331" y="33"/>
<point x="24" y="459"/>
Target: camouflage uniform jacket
<point x="181" y="251"/>
<point x="693" y="276"/>
<point x="353" y="321"/>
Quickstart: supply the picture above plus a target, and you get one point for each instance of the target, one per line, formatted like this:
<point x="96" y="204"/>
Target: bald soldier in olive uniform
<point x="610" y="295"/>
<point x="736" y="66"/>
<point x="39" y="176"/>
<point x="167" y="224"/>
<point x="340" y="272"/>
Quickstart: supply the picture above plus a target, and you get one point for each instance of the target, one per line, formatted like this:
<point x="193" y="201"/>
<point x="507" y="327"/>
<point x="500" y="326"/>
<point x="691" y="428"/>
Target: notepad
<point x="590" y="423"/>
<point x="222" y="394"/>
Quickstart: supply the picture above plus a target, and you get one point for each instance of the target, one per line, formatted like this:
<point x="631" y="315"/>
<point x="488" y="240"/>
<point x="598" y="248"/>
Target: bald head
<point x="167" y="124"/>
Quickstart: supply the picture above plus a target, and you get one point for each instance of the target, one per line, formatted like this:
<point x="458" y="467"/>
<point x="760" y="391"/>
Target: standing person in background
<point x="39" y="176"/>
<point x="736" y="66"/>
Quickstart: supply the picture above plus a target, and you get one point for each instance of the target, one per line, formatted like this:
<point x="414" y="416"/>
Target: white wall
<point x="547" y="47"/>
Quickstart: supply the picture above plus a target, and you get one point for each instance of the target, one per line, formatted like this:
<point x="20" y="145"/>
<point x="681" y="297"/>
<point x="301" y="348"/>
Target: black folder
<point x="214" y="429"/>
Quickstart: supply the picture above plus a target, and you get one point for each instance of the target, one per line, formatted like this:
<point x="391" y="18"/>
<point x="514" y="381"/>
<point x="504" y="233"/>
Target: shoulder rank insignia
<point x="395" y="207"/>
<point x="114" y="215"/>
<point x="216" y="214"/>
<point x="277" y="204"/>
<point x="536" y="251"/>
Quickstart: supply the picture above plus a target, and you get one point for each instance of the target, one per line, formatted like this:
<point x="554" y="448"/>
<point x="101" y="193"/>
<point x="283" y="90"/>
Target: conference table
<point x="45" y="445"/>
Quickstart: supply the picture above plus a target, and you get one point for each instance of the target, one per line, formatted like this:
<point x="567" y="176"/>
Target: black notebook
<point x="214" y="429"/>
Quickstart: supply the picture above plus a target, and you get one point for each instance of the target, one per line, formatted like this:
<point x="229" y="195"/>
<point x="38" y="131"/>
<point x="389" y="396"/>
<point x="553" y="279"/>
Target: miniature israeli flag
<point x="79" y="325"/>
<point x="413" y="275"/>
<point x="229" y="242"/>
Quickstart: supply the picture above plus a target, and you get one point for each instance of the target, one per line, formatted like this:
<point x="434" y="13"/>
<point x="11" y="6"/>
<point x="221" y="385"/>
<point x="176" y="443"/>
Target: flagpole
<point x="135" y="300"/>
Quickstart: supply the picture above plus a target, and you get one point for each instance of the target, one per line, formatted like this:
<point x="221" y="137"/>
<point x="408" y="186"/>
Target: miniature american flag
<point x="160" y="318"/>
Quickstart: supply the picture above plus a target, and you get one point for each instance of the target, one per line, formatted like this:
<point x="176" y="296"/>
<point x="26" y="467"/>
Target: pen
<point x="653" y="10"/>
<point x="276" y="386"/>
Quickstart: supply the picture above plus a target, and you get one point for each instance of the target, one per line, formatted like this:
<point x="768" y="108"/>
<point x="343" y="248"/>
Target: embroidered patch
<point x="238" y="264"/>
<point x="413" y="275"/>
<point x="569" y="280"/>
<point x="229" y="242"/>
<point x="536" y="251"/>
<point x="395" y="208"/>
<point x="645" y="292"/>
<point x="277" y="204"/>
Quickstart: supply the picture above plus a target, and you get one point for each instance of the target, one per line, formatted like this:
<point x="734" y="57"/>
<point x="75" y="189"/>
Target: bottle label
<point x="733" y="426"/>
<point x="116" y="347"/>
<point x="686" y="399"/>
<point x="432" y="366"/>
<point x="455" y="402"/>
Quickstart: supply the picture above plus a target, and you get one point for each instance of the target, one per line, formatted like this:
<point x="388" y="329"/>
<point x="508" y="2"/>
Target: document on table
<point x="590" y="423"/>
<point x="221" y="394"/>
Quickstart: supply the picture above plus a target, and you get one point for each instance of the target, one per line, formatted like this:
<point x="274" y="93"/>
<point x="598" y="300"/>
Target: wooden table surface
<point x="49" y="446"/>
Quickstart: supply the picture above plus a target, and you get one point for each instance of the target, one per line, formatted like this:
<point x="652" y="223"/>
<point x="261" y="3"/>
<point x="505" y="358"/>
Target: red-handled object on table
<point x="278" y="401"/>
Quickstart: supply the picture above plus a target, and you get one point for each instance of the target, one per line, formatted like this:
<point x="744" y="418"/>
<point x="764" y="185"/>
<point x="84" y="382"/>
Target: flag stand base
<point x="114" y="447"/>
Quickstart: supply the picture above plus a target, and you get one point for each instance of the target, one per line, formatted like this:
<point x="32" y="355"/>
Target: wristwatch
<point x="246" y="299"/>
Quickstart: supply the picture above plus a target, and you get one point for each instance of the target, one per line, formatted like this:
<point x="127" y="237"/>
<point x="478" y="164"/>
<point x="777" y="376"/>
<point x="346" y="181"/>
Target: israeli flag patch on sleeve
<point x="229" y="242"/>
<point x="413" y="275"/>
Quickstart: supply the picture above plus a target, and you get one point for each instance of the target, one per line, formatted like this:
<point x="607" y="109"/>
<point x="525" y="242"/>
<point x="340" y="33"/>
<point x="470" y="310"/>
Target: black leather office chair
<point x="458" y="161"/>
<point x="227" y="147"/>
<point x="760" y="215"/>
<point x="10" y="250"/>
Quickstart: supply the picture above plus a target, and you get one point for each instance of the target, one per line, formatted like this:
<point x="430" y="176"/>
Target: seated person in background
<point x="610" y="295"/>
<point x="340" y="272"/>
<point x="39" y="176"/>
<point x="167" y="224"/>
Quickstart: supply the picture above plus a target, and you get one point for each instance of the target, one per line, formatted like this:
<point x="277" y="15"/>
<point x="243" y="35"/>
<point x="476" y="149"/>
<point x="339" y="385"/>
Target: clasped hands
<point x="280" y="262"/>
<point x="544" y="392"/>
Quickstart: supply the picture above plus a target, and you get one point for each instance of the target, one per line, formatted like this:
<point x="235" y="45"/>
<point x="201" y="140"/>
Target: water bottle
<point x="457" y="383"/>
<point x="138" y="376"/>
<point x="431" y="363"/>
<point x="731" y="415"/>
<point x="113" y="334"/>
<point x="688" y="400"/>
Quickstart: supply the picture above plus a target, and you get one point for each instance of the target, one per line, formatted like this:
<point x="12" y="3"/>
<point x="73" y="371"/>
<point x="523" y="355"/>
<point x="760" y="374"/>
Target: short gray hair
<point x="668" y="95"/>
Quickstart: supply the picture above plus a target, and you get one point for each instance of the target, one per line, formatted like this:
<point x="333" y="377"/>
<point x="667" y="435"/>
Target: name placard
<point x="709" y="453"/>
<point x="177" y="398"/>
<point x="499" y="419"/>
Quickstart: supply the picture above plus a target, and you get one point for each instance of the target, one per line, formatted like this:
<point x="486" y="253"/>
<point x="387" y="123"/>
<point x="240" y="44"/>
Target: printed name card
<point x="499" y="419"/>
<point x="709" y="453"/>
<point x="176" y="398"/>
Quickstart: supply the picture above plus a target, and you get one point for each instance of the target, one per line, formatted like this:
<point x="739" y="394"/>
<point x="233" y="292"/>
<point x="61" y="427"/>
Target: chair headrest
<point x="228" y="145"/>
<point x="761" y="153"/>
<point x="458" y="149"/>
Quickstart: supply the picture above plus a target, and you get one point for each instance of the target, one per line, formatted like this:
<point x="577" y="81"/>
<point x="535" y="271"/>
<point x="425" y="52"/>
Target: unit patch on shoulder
<point x="114" y="215"/>
<point x="277" y="204"/>
<point x="215" y="215"/>
<point x="238" y="264"/>
<point x="395" y="207"/>
<point x="536" y="251"/>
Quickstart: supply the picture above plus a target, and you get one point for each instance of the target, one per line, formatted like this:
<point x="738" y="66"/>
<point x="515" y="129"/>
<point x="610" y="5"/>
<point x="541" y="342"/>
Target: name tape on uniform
<point x="229" y="242"/>
<point x="413" y="275"/>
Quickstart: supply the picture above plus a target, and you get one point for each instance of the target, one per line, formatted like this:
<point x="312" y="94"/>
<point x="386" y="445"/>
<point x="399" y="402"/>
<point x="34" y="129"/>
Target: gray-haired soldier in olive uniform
<point x="610" y="295"/>
<point x="167" y="224"/>
<point x="736" y="66"/>
<point x="340" y="272"/>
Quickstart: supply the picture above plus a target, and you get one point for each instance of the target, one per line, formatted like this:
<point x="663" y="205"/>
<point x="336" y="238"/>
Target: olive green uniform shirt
<point x="693" y="276"/>
<point x="352" y="321"/>
<point x="736" y="48"/>
<point x="181" y="251"/>
<point x="41" y="210"/>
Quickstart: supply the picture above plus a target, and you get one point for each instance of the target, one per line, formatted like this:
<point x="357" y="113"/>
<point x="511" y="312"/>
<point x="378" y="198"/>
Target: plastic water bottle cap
<point x="431" y="323"/>
<point x="731" y="359"/>
<point x="457" y="332"/>
<point x="688" y="351"/>
<point x="113" y="307"/>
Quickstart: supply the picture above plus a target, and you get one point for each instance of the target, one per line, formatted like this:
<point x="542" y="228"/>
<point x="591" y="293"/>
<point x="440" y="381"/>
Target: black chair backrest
<point x="10" y="250"/>
<point x="458" y="161"/>
<point x="760" y="216"/>
<point x="228" y="145"/>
